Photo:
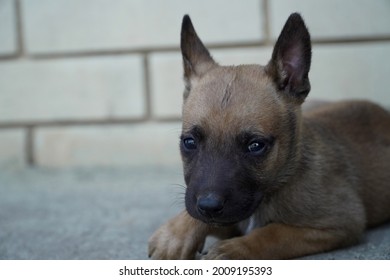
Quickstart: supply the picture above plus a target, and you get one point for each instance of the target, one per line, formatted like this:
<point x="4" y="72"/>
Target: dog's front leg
<point x="180" y="238"/>
<point x="277" y="241"/>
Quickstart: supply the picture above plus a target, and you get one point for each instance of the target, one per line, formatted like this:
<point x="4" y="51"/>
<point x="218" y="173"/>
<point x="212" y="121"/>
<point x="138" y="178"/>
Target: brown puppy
<point x="274" y="183"/>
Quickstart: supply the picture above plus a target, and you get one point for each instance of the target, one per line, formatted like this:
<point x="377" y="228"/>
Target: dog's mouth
<point x="231" y="212"/>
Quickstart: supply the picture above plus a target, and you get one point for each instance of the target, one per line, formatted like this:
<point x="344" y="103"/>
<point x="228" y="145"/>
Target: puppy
<point x="271" y="182"/>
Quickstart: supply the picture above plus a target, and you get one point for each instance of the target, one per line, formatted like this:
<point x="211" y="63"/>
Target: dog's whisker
<point x="178" y="195"/>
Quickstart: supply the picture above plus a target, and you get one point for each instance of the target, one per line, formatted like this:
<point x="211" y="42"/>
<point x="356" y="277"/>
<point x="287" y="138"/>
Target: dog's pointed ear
<point x="290" y="63"/>
<point x="196" y="58"/>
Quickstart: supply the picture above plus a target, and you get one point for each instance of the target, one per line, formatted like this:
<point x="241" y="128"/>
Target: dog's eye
<point x="256" y="147"/>
<point x="189" y="143"/>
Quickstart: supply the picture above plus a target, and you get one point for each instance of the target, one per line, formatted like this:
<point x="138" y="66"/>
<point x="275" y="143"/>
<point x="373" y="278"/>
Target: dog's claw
<point x="173" y="241"/>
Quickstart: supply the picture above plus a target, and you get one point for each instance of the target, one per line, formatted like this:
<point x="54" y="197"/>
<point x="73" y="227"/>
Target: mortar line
<point x="19" y="28"/>
<point x="29" y="146"/>
<point x="139" y="51"/>
<point x="147" y="87"/>
<point x="266" y="22"/>
<point x="145" y="51"/>
<point x="248" y="44"/>
<point x="86" y="122"/>
<point x="350" y="40"/>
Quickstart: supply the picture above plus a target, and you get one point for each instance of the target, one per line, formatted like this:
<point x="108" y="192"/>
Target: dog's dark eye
<point x="189" y="143"/>
<point x="256" y="147"/>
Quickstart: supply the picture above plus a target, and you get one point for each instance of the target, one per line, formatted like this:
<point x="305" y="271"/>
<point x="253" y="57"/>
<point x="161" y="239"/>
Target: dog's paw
<point x="177" y="239"/>
<point x="230" y="249"/>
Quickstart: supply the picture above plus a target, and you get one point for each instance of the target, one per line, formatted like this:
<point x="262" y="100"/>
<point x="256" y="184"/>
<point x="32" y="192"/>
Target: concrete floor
<point x="107" y="214"/>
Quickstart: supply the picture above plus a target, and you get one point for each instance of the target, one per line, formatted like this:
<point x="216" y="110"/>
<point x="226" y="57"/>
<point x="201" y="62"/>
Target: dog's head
<point x="241" y="124"/>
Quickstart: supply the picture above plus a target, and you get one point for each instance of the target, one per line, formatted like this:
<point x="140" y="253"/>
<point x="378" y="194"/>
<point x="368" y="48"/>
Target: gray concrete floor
<point x="107" y="214"/>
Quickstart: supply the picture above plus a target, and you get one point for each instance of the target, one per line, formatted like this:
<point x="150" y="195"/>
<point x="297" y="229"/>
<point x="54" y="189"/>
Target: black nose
<point x="210" y="205"/>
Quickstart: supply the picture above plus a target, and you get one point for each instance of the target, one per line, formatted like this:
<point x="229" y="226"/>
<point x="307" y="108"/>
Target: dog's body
<point x="275" y="183"/>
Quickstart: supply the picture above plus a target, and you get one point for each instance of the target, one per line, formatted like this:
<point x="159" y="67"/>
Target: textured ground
<point x="106" y="214"/>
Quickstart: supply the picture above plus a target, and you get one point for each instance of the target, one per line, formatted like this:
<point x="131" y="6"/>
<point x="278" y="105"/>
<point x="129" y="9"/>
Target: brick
<point x="166" y="75"/>
<point x="72" y="25"/>
<point x="166" y="84"/>
<point x="334" y="18"/>
<point x="89" y="88"/>
<point x="351" y="71"/>
<point x="8" y="35"/>
<point x="12" y="147"/>
<point x="120" y="145"/>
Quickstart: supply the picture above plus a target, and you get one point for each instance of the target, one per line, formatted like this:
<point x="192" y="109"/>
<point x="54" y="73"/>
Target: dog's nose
<point x="210" y="205"/>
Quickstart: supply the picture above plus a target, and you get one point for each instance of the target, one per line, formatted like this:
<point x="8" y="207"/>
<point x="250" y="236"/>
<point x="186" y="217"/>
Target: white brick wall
<point x="99" y="82"/>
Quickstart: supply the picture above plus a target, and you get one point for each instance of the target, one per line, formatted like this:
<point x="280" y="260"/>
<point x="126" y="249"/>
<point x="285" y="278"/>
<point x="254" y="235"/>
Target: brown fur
<point x="320" y="180"/>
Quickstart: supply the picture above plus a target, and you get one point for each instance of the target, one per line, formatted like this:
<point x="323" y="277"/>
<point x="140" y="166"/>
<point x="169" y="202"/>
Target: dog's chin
<point x="216" y="224"/>
<point x="221" y="221"/>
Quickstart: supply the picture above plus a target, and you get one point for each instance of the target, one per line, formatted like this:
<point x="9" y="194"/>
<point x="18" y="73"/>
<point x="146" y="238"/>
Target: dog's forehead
<point x="241" y="97"/>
